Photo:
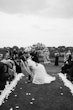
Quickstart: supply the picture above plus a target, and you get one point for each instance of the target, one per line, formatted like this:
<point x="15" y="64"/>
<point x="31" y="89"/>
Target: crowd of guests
<point x="67" y="68"/>
<point x="14" y="63"/>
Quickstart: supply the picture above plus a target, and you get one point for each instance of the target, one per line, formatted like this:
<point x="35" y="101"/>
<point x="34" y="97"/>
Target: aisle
<point x="28" y="96"/>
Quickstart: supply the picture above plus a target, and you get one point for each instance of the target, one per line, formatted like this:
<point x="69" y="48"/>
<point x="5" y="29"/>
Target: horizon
<point x="34" y="44"/>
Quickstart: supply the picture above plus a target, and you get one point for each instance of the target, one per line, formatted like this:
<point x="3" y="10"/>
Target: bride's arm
<point x="25" y="68"/>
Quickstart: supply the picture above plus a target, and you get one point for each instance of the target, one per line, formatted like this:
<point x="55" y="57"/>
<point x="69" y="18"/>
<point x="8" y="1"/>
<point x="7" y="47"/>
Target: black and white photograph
<point x="36" y="54"/>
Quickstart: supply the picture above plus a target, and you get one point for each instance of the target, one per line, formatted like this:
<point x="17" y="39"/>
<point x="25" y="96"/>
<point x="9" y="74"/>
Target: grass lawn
<point x="52" y="69"/>
<point x="28" y="96"/>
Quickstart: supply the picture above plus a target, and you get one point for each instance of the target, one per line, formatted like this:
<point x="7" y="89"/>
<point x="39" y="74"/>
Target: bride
<point x="37" y="72"/>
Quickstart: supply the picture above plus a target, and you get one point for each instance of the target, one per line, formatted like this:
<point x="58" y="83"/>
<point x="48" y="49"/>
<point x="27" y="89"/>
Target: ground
<point x="28" y="96"/>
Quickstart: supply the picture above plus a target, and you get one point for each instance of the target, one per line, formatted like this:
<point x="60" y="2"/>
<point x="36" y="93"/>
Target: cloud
<point x="51" y="8"/>
<point x="21" y="6"/>
<point x="58" y="8"/>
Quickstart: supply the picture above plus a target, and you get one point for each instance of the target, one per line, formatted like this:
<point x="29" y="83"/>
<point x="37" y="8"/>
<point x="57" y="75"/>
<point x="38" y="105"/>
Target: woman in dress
<point x="37" y="72"/>
<point x="40" y="76"/>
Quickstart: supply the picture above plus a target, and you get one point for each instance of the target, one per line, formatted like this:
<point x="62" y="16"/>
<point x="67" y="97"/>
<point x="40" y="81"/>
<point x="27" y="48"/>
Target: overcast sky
<point x="26" y="22"/>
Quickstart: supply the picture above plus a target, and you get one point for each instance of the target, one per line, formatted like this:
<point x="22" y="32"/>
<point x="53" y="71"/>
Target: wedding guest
<point x="56" y="59"/>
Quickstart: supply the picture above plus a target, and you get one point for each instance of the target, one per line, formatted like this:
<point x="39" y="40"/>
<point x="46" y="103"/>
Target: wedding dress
<point x="40" y="76"/>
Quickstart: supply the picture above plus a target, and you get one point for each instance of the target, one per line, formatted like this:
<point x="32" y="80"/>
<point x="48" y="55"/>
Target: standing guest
<point x="15" y="58"/>
<point x="56" y="59"/>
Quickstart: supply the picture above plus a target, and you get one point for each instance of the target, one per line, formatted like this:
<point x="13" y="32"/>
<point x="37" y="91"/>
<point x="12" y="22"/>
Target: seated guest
<point x="3" y="71"/>
<point x="11" y="67"/>
<point x="67" y="69"/>
<point x="6" y="73"/>
<point x="3" y="75"/>
<point x="70" y="74"/>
